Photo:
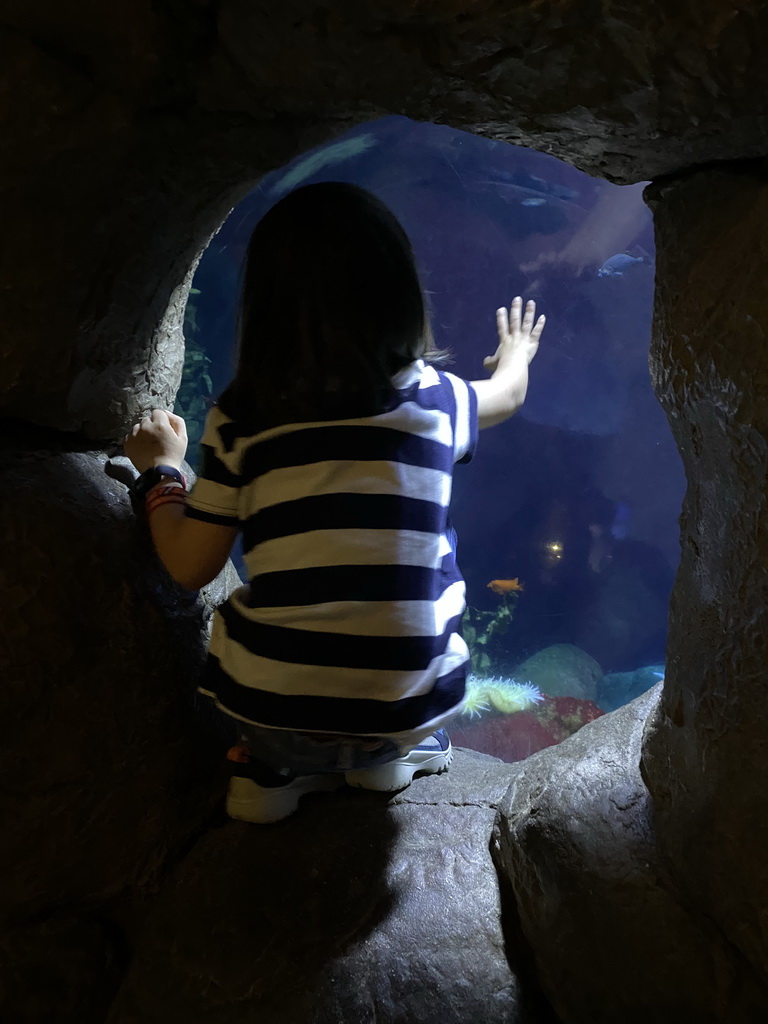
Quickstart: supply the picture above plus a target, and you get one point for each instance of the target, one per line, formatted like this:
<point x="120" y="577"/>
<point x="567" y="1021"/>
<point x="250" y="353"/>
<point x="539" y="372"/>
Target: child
<point x="332" y="452"/>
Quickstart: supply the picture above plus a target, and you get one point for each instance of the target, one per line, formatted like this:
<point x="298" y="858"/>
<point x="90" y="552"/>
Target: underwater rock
<point x="514" y="737"/>
<point x="617" y="688"/>
<point x="562" y="670"/>
<point x="360" y="908"/>
<point x="611" y="938"/>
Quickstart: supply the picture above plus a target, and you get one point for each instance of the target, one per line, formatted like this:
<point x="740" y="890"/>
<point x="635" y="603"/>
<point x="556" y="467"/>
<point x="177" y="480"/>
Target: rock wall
<point x="613" y="932"/>
<point x="706" y="751"/>
<point x="130" y="128"/>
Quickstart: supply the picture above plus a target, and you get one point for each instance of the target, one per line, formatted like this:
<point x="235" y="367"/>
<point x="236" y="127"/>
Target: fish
<point x="504" y="587"/>
<point x="552" y="187"/>
<point x="522" y="194"/>
<point x="529" y="183"/>
<point x="321" y="158"/>
<point x="618" y="265"/>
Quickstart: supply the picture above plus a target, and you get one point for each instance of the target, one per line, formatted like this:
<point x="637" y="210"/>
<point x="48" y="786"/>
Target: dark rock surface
<point x="359" y="908"/>
<point x="130" y="131"/>
<point x="109" y="761"/>
<point x="613" y="938"/>
<point x="706" y="753"/>
<point x="63" y="969"/>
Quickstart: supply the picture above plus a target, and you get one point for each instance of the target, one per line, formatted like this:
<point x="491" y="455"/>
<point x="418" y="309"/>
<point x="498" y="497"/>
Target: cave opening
<point x="577" y="498"/>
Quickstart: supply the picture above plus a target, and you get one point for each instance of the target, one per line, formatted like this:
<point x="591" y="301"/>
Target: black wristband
<point x="152" y="476"/>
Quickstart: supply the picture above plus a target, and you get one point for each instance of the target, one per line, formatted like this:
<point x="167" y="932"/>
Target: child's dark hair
<point x="331" y="308"/>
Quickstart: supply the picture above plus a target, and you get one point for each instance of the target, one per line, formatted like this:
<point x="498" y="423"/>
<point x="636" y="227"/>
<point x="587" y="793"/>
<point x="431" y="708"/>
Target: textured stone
<point x="359" y="908"/>
<point x="59" y="970"/>
<point x="613" y="939"/>
<point x="109" y="762"/>
<point x="130" y="129"/>
<point x="705" y="757"/>
<point x="129" y="132"/>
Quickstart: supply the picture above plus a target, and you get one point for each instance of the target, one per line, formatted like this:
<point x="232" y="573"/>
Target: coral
<point x="514" y="737"/>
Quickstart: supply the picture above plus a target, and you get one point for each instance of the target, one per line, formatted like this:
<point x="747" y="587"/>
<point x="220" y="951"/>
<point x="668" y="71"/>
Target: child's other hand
<point x="517" y="334"/>
<point x="160" y="439"/>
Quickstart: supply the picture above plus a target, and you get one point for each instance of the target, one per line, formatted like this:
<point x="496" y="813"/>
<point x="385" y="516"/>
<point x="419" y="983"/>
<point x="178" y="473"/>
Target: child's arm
<point x="193" y="552"/>
<point x="502" y="395"/>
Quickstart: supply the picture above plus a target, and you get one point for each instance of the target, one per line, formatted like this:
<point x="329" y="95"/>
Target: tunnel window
<point x="567" y="515"/>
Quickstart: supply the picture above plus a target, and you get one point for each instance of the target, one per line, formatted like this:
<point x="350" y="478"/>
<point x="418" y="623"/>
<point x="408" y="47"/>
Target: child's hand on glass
<point x="160" y="439"/>
<point x="517" y="334"/>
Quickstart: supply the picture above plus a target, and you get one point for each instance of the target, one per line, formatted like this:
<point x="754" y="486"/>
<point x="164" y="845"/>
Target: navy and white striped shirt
<point x="349" y="622"/>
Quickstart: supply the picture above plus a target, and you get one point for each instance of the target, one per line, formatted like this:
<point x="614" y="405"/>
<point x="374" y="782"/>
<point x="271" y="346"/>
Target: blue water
<point x="577" y="497"/>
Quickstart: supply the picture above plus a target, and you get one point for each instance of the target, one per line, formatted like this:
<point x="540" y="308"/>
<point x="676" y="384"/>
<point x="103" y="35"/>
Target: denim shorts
<point x="306" y="753"/>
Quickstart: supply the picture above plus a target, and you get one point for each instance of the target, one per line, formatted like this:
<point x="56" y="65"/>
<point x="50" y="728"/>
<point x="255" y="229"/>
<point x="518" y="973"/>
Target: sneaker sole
<point x="388" y="778"/>
<point x="247" y="801"/>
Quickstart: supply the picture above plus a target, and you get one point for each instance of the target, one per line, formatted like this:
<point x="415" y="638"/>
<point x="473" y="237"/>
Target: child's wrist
<point x="159" y="473"/>
<point x="510" y="362"/>
<point x="172" y="493"/>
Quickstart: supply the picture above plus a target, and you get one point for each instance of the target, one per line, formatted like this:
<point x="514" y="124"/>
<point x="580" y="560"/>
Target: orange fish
<point x="504" y="587"/>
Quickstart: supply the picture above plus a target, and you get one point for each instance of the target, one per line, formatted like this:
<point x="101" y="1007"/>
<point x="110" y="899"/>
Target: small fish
<point x="504" y="587"/>
<point x="618" y="265"/>
<point x="533" y="201"/>
<point x="320" y="158"/>
<point x="552" y="188"/>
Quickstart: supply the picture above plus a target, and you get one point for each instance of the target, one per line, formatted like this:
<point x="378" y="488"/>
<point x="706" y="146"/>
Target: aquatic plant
<point x="500" y="694"/>
<point x="195" y="394"/>
<point x="483" y="629"/>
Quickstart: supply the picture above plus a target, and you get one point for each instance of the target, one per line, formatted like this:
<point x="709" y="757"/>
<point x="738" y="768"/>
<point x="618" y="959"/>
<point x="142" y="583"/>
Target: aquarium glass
<point x="567" y="515"/>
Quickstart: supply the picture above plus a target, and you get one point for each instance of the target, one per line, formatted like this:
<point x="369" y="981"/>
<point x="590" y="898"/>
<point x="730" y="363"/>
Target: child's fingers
<point x="517" y="322"/>
<point x="514" y="313"/>
<point x="502" y="323"/>
<point x="530" y="312"/>
<point x="178" y="424"/>
<point x="536" y="332"/>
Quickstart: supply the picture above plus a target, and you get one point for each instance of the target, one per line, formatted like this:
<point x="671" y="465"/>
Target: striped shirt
<point x="350" y="620"/>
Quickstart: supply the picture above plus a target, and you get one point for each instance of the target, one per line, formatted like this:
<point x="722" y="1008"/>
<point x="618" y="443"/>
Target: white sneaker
<point x="260" y="795"/>
<point x="430" y="757"/>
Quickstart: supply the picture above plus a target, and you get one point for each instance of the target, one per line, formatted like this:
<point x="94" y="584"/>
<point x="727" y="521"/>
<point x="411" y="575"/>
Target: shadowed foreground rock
<point x="109" y="764"/>
<point x="614" y="942"/>
<point x="130" y="129"/>
<point x="358" y="909"/>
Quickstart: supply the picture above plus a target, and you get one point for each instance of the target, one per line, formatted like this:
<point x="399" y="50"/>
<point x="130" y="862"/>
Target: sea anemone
<point x="474" y="701"/>
<point x="503" y="694"/>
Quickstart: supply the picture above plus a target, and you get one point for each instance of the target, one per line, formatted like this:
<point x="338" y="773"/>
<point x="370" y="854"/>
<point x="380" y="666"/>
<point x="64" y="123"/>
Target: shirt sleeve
<point x="215" y="495"/>
<point x="465" y="427"/>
